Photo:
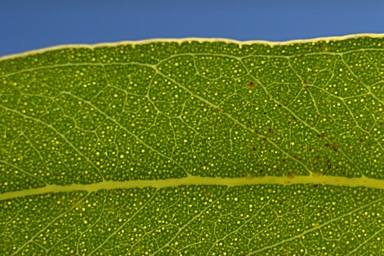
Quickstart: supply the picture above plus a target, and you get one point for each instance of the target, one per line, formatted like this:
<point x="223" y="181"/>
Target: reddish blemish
<point x="251" y="84"/>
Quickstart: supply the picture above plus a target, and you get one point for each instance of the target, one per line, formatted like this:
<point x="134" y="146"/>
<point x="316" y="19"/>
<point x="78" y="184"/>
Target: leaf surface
<point x="194" y="147"/>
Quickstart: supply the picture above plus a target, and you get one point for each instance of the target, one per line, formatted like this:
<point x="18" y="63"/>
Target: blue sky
<point x="28" y="25"/>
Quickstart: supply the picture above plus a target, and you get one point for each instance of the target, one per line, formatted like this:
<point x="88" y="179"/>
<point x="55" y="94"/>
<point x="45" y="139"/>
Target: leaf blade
<point x="193" y="147"/>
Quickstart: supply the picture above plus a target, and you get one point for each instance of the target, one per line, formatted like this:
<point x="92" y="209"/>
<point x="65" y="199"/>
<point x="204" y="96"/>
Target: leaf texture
<point x="194" y="147"/>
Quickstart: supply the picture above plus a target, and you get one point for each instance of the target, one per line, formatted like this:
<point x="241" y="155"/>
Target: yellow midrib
<point x="197" y="180"/>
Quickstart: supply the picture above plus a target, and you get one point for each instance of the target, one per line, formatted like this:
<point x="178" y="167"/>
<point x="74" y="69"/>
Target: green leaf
<point x="194" y="147"/>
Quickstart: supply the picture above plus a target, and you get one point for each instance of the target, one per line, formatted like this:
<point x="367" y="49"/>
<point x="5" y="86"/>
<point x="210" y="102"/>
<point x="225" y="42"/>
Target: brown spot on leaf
<point x="251" y="84"/>
<point x="321" y="135"/>
<point x="250" y="177"/>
